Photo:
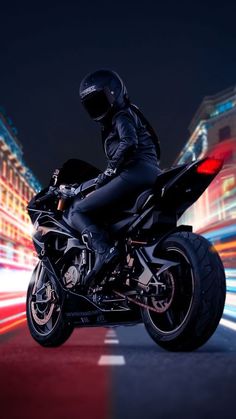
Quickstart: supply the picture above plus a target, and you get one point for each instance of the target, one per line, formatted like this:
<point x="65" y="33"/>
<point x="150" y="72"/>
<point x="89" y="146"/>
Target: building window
<point x="26" y="193"/>
<point x="11" y="176"/>
<point x="4" y="169"/>
<point x="20" y="187"/>
<point x="224" y="133"/>
<point x="17" y="181"/>
<point x="228" y="186"/>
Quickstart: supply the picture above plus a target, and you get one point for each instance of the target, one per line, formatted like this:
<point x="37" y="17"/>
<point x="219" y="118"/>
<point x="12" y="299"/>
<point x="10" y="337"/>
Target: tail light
<point x="210" y="166"/>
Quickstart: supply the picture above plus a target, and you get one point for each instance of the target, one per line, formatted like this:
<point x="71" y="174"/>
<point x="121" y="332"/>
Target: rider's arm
<point x="128" y="140"/>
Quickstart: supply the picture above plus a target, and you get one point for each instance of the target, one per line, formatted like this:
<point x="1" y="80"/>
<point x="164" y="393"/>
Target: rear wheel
<point x="44" y="311"/>
<point x="191" y="307"/>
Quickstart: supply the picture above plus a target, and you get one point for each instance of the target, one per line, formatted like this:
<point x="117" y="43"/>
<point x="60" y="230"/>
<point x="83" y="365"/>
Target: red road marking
<point x="60" y="383"/>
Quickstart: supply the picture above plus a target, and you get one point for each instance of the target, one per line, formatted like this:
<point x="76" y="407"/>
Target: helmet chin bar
<point x="98" y="103"/>
<point x="100" y="118"/>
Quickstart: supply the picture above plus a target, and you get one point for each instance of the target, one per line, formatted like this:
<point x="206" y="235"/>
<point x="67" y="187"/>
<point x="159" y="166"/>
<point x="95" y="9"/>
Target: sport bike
<point x="167" y="277"/>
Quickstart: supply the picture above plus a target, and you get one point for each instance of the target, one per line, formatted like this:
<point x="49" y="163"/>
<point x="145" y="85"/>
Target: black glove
<point x="105" y="177"/>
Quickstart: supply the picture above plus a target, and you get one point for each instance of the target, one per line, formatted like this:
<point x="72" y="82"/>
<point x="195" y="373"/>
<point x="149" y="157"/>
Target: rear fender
<point x="185" y="188"/>
<point x="162" y="237"/>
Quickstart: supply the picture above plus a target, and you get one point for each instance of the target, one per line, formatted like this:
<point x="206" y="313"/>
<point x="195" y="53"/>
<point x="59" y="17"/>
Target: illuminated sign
<point x="222" y="107"/>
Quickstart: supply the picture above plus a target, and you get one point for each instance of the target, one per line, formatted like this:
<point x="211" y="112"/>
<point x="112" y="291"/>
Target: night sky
<point x="170" y="54"/>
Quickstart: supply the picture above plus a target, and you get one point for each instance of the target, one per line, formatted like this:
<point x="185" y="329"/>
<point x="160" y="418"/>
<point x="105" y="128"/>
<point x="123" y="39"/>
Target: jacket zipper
<point x="105" y="148"/>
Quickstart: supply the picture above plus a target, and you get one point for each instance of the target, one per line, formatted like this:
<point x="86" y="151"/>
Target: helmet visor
<point x="97" y="104"/>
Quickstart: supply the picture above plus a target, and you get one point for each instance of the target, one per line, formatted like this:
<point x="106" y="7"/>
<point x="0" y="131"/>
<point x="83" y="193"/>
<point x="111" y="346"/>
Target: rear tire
<point x="203" y="309"/>
<point x="56" y="330"/>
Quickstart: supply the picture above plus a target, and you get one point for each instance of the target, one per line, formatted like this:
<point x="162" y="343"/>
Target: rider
<point x="132" y="150"/>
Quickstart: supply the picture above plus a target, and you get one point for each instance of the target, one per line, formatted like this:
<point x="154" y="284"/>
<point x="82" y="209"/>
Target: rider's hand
<point x="105" y="177"/>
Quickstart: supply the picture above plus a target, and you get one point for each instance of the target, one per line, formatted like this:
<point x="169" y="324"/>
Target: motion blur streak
<point x="228" y="323"/>
<point x="14" y="281"/>
<point x="12" y="302"/>
<point x="214" y="214"/>
<point x="12" y="310"/>
<point x="225" y="244"/>
<point x="12" y="325"/>
<point x="15" y="316"/>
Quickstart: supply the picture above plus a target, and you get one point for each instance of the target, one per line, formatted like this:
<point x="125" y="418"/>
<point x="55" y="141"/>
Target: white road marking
<point x="111" y="360"/>
<point x="111" y="330"/>
<point x="111" y="341"/>
<point x="228" y="323"/>
<point x="111" y="334"/>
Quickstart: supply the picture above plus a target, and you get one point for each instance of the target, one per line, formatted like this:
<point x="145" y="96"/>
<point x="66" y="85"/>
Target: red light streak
<point x="6" y="295"/>
<point x="12" y="310"/>
<point x="12" y="325"/>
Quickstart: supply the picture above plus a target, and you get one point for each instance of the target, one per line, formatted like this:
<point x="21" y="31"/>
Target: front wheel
<point x="189" y="312"/>
<point x="44" y="311"/>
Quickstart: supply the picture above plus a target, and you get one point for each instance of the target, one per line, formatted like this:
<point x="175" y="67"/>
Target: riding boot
<point x="105" y="254"/>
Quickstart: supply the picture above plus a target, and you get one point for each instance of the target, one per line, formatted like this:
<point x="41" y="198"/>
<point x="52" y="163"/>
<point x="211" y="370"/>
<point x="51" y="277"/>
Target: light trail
<point x="224" y="246"/>
<point x="229" y="324"/>
<point x="5" y="295"/>
<point x="12" y="325"/>
<point x="220" y="233"/>
<point x="12" y="311"/>
<point x="14" y="280"/>
<point x="12" y="302"/>
<point x="18" y="252"/>
<point x="21" y="265"/>
<point x="13" y="317"/>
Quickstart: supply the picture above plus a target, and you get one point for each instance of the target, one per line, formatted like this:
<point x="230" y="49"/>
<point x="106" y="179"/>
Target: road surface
<point x="116" y="374"/>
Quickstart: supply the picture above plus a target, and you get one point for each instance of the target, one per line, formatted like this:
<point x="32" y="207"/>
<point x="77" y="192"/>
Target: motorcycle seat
<point x="145" y="198"/>
<point x="141" y="202"/>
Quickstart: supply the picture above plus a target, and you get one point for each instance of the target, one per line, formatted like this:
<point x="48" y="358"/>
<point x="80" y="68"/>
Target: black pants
<point x="116" y="195"/>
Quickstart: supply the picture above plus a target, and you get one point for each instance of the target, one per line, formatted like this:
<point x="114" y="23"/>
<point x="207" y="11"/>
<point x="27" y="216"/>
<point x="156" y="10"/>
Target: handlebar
<point x="44" y="198"/>
<point x="68" y="191"/>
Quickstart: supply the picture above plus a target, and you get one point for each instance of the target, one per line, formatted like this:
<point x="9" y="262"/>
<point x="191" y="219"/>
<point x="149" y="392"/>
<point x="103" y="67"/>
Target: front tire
<point x="199" y="294"/>
<point x="45" y="319"/>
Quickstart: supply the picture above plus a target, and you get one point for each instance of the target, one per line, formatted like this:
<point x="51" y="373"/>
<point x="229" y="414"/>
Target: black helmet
<point x="101" y="92"/>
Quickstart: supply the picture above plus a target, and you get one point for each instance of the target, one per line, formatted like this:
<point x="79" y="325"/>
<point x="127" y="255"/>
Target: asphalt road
<point x="75" y="380"/>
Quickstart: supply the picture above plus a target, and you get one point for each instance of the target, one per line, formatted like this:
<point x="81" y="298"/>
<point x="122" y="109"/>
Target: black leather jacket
<point x="126" y="140"/>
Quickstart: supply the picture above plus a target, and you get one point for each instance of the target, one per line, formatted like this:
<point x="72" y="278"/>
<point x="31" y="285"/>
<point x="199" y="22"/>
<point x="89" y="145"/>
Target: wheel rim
<point x="45" y="311"/>
<point x="177" y="309"/>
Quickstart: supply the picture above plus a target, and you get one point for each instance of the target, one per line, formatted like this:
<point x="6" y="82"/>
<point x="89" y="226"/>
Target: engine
<point x="75" y="272"/>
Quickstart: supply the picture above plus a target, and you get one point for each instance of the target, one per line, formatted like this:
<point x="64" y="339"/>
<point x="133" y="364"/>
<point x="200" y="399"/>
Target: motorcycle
<point x="167" y="277"/>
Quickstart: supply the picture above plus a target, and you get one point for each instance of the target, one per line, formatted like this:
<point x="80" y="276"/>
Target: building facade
<point x="17" y="186"/>
<point x="213" y="132"/>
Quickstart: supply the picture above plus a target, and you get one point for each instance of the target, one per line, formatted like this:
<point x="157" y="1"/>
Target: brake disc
<point x="162" y="305"/>
<point x="42" y="311"/>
